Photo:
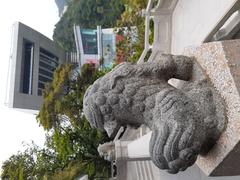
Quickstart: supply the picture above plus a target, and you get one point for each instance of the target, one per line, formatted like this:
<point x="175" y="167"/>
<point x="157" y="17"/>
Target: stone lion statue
<point x="184" y="121"/>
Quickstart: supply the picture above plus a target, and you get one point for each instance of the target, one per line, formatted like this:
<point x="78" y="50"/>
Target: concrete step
<point x="144" y="170"/>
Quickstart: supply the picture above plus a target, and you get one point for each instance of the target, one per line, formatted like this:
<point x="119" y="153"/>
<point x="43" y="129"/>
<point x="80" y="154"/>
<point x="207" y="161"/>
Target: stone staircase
<point x="139" y="170"/>
<point x="144" y="170"/>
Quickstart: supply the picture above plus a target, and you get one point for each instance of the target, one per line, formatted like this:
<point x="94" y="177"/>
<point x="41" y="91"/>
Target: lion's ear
<point x="111" y="127"/>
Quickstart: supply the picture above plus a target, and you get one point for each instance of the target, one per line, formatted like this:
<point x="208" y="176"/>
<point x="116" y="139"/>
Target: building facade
<point x="96" y="46"/>
<point x="34" y="58"/>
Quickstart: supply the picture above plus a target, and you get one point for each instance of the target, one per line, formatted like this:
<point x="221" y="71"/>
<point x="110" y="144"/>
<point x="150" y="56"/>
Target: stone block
<point x="121" y="149"/>
<point x="221" y="63"/>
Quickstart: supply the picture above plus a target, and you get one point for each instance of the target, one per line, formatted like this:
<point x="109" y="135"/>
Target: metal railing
<point x="147" y="45"/>
<point x="161" y="14"/>
<point x="72" y="57"/>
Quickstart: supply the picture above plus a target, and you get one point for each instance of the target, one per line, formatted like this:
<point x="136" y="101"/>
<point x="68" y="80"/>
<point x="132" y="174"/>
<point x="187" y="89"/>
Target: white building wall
<point x="193" y="21"/>
<point x="16" y="99"/>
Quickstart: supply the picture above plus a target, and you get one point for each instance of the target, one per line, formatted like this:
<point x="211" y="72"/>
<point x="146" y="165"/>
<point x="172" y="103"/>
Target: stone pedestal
<point x="221" y="63"/>
<point x="139" y="149"/>
<point x="133" y="150"/>
<point x="121" y="149"/>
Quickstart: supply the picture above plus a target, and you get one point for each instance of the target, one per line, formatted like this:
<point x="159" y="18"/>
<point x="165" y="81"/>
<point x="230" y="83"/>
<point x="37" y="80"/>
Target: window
<point x="89" y="41"/>
<point x="27" y="67"/>
<point x="109" y="49"/>
<point x="48" y="62"/>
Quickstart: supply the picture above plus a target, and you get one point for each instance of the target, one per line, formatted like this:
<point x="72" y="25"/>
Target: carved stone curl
<point x="184" y="122"/>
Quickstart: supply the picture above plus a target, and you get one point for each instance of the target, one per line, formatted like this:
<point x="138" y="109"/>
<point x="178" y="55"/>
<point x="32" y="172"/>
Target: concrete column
<point x="133" y="150"/>
<point x="99" y="42"/>
<point x="162" y="33"/>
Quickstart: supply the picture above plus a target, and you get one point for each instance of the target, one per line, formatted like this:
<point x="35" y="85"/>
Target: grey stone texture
<point x="186" y="121"/>
<point x="220" y="61"/>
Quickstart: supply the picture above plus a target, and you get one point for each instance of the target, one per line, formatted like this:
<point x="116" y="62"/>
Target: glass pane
<point x="89" y="41"/>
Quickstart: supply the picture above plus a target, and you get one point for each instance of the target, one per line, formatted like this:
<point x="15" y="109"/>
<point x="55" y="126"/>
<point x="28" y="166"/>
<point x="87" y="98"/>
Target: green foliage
<point x="13" y="168"/>
<point x="64" y="96"/>
<point x="71" y="144"/>
<point x="131" y="17"/>
<point x="49" y="114"/>
<point x="87" y="14"/>
<point x="71" y="138"/>
<point x="77" y="150"/>
<point x="29" y="164"/>
<point x="48" y="163"/>
<point x="132" y="46"/>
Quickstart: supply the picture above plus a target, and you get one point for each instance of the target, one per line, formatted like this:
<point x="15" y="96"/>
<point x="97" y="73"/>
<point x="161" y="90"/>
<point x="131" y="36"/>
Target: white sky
<point x="16" y="127"/>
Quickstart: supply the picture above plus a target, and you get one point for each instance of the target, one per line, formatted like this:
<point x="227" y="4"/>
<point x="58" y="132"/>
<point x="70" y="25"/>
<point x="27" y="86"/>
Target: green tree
<point x="76" y="149"/>
<point x="32" y="163"/>
<point x="133" y="24"/>
<point x="71" y="144"/>
<point x="64" y="96"/>
<point x="65" y="157"/>
<point x="87" y="14"/>
<point x="72" y="138"/>
<point x="18" y="166"/>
